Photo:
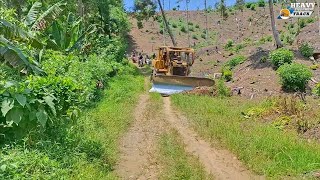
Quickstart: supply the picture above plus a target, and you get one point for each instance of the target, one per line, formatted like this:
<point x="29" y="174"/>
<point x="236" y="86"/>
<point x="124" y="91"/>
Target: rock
<point x="217" y="75"/>
<point x="311" y="58"/>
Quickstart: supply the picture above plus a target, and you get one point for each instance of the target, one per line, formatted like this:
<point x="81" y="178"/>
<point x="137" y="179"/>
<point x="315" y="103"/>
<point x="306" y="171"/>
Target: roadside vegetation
<point x="58" y="61"/>
<point x="178" y="164"/>
<point x="237" y="125"/>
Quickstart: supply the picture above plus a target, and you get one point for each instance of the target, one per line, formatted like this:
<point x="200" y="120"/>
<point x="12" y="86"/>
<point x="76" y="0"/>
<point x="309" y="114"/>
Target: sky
<point x="193" y="5"/>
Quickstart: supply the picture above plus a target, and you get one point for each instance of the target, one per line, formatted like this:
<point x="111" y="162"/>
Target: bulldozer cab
<point x="174" y="61"/>
<point x="171" y="69"/>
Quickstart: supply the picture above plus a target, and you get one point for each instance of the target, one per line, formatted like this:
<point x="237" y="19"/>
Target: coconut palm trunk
<point x="167" y="24"/>
<point x="273" y="25"/>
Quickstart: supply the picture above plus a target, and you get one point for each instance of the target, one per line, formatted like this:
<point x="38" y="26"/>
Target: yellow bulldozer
<point x="171" y="70"/>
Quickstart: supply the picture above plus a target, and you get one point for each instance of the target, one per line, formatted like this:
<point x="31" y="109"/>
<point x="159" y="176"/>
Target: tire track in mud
<point x="220" y="163"/>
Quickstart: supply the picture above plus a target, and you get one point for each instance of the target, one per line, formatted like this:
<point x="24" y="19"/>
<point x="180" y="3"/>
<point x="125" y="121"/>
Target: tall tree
<point x="273" y="25"/>
<point x="167" y="24"/>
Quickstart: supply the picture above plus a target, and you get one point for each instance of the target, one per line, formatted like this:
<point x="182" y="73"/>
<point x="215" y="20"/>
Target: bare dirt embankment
<point x="250" y="28"/>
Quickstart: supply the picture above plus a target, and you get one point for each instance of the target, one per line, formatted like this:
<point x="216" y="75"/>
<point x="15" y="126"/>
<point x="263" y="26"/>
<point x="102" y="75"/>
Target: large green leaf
<point x="12" y="31"/>
<point x="6" y="106"/>
<point x="15" y="115"/>
<point x="32" y="14"/>
<point x="22" y="99"/>
<point x="48" y="16"/>
<point x="42" y="117"/>
<point x="14" y="56"/>
<point x="49" y="101"/>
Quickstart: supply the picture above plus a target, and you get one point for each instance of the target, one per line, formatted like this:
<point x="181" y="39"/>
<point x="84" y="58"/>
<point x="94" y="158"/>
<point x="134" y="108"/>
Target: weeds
<point x="179" y="164"/>
<point x="264" y="148"/>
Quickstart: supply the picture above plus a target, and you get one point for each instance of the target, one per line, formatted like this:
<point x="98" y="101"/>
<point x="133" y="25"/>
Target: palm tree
<point x="273" y="25"/>
<point x="167" y="24"/>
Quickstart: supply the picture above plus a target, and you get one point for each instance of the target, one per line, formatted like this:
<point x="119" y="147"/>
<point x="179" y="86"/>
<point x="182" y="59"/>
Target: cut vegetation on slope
<point x="264" y="148"/>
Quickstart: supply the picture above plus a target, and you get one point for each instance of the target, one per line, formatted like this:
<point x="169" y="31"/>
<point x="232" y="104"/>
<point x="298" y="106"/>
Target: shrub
<point x="235" y="61"/>
<point x="239" y="47"/>
<point x="294" y="77"/>
<point x="290" y="26"/>
<point x="197" y="26"/>
<point x="306" y="50"/>
<point x="140" y="24"/>
<point x="229" y="44"/>
<point x="223" y="90"/>
<point x="314" y="67"/>
<point x="174" y="25"/>
<point x="263" y="59"/>
<point x="195" y="37"/>
<point x="191" y="29"/>
<point x="281" y="56"/>
<point x="310" y="20"/>
<point x="269" y="38"/>
<point x="161" y="31"/>
<point x="289" y="39"/>
<point x="261" y="3"/>
<point x="248" y="4"/>
<point x="203" y="36"/>
<point x="227" y="73"/>
<point x="190" y="23"/>
<point x="253" y="7"/>
<point x="183" y="29"/>
<point x="302" y="23"/>
<point x="316" y="89"/>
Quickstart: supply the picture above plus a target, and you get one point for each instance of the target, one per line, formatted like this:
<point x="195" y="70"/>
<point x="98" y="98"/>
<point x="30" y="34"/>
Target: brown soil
<point x="257" y="79"/>
<point x="138" y="147"/>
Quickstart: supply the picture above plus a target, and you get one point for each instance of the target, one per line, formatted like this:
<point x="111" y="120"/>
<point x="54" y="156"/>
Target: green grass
<point x="88" y="149"/>
<point x="178" y="164"/>
<point x="262" y="147"/>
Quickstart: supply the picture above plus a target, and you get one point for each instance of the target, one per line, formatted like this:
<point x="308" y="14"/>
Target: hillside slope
<point x="252" y="37"/>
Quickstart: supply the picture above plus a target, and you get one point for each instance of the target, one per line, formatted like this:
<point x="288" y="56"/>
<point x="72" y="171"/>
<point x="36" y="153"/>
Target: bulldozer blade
<point x="175" y="84"/>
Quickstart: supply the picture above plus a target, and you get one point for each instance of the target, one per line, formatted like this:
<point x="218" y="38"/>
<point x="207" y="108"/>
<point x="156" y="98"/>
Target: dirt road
<point x="139" y="146"/>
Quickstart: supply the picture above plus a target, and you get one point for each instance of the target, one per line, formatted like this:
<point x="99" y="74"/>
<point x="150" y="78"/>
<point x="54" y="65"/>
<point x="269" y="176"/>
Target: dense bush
<point x="227" y="73"/>
<point x="302" y="23"/>
<point x="253" y="7"/>
<point x="174" y="25"/>
<point x="316" y="89"/>
<point x="248" y="4"/>
<point x="233" y="62"/>
<point x="183" y="29"/>
<point x="294" y="77"/>
<point x="261" y="3"/>
<point x="281" y="56"/>
<point x="229" y="44"/>
<point x="223" y="90"/>
<point x="195" y="37"/>
<point x="306" y="50"/>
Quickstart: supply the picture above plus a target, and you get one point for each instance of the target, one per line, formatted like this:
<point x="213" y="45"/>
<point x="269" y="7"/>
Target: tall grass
<point x="178" y="164"/>
<point x="263" y="148"/>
